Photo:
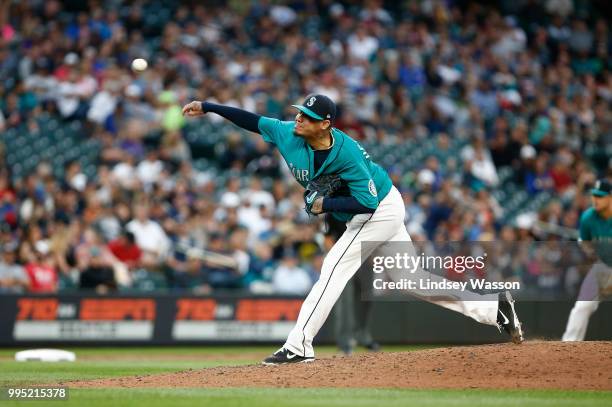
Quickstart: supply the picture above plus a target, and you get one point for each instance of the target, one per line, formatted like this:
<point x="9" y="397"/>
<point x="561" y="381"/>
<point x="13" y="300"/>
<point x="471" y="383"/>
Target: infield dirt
<point x="532" y="365"/>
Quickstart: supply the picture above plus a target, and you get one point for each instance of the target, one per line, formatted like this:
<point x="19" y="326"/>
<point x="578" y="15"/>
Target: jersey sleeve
<point x="361" y="184"/>
<point x="273" y="130"/>
<point x="585" y="227"/>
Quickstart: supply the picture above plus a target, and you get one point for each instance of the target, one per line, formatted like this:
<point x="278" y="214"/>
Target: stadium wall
<point x="224" y="319"/>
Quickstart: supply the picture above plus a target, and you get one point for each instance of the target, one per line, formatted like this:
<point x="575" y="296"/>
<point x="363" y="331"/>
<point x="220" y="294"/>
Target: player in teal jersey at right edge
<point x="596" y="227"/>
<point x="371" y="206"/>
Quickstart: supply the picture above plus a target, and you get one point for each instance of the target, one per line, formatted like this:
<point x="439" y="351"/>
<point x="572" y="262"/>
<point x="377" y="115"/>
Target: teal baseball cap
<point x="318" y="107"/>
<point x="602" y="188"/>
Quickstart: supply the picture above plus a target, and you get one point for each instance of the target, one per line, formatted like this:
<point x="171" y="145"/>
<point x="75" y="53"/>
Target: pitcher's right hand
<point x="193" y="109"/>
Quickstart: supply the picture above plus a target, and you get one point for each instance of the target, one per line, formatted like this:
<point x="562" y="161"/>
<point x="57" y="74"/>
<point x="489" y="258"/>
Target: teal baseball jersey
<point x="367" y="181"/>
<point x="598" y="230"/>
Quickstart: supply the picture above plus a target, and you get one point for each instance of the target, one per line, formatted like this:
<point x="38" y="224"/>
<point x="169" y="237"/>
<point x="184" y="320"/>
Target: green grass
<point x="108" y="362"/>
<point x="326" y="397"/>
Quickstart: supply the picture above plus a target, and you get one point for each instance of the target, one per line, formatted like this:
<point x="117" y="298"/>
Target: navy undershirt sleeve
<point x="241" y="118"/>
<point x="346" y="204"/>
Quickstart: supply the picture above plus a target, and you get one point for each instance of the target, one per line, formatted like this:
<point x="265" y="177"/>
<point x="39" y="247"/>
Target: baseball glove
<point x="321" y="187"/>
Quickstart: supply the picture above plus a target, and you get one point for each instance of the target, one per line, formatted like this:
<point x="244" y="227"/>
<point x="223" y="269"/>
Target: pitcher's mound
<point x="534" y="365"/>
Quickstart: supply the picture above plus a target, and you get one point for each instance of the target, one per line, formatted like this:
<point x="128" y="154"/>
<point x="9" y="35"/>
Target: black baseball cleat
<point x="507" y="318"/>
<point x="283" y="356"/>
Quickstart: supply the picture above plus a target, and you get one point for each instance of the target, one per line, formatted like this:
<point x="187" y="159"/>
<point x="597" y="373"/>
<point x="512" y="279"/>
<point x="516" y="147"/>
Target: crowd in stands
<point x="493" y="122"/>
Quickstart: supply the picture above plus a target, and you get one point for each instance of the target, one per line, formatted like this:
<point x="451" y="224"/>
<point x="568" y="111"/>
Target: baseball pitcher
<point x="340" y="178"/>
<point x="596" y="227"/>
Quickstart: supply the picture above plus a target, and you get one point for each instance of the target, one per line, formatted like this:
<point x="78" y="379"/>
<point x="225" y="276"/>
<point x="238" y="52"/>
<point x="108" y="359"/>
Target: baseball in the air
<point x="139" y="64"/>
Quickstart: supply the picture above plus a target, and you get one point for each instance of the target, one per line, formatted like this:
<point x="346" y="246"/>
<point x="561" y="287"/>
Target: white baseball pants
<point x="343" y="261"/>
<point x="598" y="278"/>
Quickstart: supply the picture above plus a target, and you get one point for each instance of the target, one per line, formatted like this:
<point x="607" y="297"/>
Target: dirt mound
<point x="533" y="365"/>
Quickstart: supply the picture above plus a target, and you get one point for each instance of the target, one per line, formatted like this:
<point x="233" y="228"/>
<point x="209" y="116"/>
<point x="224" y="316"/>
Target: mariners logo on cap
<point x="311" y="101"/>
<point x="602" y="188"/>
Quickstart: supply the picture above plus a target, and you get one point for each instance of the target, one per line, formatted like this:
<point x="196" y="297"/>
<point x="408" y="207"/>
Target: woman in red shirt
<point x="41" y="270"/>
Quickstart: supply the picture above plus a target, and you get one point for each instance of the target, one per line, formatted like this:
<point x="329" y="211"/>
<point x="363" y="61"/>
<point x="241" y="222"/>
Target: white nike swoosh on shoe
<point x="506" y="320"/>
<point x="291" y="356"/>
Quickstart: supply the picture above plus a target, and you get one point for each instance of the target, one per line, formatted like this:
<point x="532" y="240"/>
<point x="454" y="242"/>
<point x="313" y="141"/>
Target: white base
<point x="45" y="355"/>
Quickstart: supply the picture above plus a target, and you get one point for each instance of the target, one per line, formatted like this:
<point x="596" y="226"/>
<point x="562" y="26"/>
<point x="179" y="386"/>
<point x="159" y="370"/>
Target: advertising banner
<point x="139" y="319"/>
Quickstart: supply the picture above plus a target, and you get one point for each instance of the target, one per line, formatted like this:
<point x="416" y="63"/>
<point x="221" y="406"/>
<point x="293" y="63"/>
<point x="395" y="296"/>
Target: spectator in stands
<point x="149" y="170"/>
<point x="125" y="249"/>
<point x="99" y="268"/>
<point x="74" y="89"/>
<point x="174" y="148"/>
<point x="8" y="201"/>
<point x="63" y="235"/>
<point x="172" y="117"/>
<point x="479" y="165"/>
<point x="290" y="278"/>
<point x="539" y="178"/>
<point x="261" y="267"/>
<point x="150" y="237"/>
<point x="237" y="246"/>
<point x="222" y="269"/>
<point x="96" y="271"/>
<point x="36" y="203"/>
<point x="194" y="277"/>
<point x="42" y="273"/>
<point x="13" y="278"/>
<point x="561" y="174"/>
